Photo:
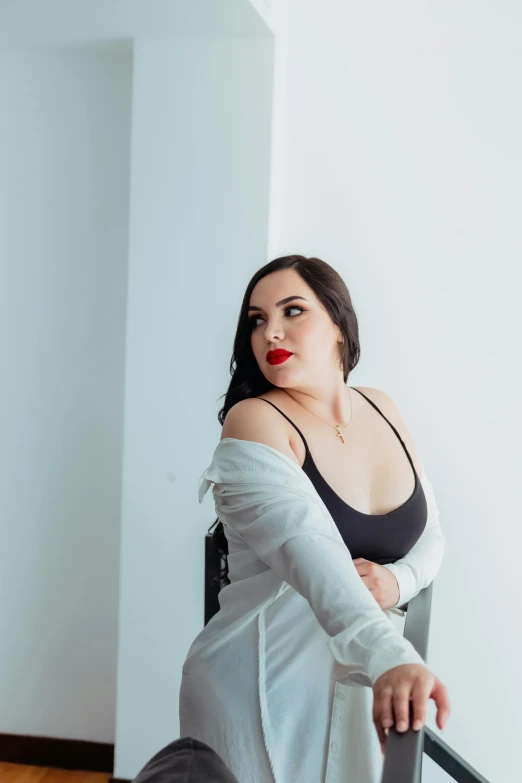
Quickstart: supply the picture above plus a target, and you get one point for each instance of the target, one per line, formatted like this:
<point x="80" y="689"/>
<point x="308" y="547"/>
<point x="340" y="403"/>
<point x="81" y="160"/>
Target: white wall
<point x="200" y="167"/>
<point x="64" y="155"/>
<point x="65" y="127"/>
<point x="41" y="21"/>
<point x="432" y="773"/>
<point x="402" y="169"/>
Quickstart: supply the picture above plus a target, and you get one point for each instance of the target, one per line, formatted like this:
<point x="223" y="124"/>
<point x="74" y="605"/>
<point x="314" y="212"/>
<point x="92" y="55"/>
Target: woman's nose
<point x="274" y="331"/>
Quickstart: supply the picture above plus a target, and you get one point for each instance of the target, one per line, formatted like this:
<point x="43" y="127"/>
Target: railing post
<point x="403" y="755"/>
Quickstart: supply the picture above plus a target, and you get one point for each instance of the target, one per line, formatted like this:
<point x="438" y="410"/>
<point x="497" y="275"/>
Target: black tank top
<point x="382" y="538"/>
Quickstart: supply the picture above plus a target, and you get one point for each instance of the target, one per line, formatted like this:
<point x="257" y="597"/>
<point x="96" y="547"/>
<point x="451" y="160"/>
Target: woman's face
<point x="299" y="325"/>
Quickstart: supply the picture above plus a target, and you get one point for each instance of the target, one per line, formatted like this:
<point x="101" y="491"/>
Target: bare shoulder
<point x="390" y="409"/>
<point x="256" y="420"/>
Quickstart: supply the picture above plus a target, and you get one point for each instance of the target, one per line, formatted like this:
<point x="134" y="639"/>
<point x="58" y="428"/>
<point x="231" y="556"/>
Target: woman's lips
<point x="278" y="358"/>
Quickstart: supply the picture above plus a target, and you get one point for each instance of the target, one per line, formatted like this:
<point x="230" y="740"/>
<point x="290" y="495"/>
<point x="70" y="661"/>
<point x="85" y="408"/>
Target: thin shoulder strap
<point x="290" y="420"/>
<point x="389" y="422"/>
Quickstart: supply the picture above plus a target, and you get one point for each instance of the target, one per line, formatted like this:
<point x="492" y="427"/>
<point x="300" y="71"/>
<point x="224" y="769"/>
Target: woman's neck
<point x="329" y="404"/>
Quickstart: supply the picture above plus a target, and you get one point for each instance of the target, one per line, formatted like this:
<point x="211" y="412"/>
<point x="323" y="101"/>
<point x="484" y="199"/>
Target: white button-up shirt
<point x="279" y="682"/>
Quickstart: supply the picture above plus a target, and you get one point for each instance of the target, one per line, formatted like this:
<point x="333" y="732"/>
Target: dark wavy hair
<point x="248" y="380"/>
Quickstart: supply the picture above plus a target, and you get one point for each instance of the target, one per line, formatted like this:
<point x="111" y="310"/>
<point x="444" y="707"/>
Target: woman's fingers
<point x="440" y="696"/>
<point x="401" y="706"/>
<point x="381" y="733"/>
<point x="383" y="714"/>
<point x="420" y="694"/>
<point x="396" y="688"/>
<point x="383" y="708"/>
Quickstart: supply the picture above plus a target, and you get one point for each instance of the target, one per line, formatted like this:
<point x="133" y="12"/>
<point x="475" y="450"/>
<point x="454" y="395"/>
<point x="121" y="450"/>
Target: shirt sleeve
<point x="292" y="534"/>
<point x="420" y="566"/>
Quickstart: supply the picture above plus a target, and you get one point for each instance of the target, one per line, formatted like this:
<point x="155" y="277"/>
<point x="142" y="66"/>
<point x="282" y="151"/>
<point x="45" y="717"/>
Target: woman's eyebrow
<point x="278" y="304"/>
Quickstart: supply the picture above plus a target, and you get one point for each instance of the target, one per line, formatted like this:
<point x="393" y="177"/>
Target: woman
<point x="302" y="671"/>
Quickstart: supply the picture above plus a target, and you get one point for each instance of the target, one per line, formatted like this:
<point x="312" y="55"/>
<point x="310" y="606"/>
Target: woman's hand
<point x="393" y="691"/>
<point x="380" y="582"/>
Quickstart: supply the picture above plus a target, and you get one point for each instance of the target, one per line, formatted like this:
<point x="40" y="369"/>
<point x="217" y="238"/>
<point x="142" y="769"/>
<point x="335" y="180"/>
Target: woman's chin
<point x="282" y="379"/>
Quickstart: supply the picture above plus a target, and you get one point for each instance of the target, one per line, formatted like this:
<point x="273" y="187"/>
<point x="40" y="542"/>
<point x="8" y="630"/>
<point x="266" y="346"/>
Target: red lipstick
<point x="278" y="356"/>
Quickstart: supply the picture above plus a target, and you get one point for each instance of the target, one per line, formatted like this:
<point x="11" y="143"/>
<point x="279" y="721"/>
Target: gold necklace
<point x="336" y="426"/>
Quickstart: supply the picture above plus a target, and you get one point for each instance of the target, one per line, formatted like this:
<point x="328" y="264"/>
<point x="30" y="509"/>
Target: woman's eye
<point x="253" y="318"/>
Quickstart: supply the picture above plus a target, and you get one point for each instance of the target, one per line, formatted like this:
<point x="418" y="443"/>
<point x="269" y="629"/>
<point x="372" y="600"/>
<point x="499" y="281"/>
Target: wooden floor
<point x="19" y="773"/>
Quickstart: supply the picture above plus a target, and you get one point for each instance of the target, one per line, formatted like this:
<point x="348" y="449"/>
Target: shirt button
<point x="341" y="696"/>
<point x="334" y="745"/>
<point x="338" y="720"/>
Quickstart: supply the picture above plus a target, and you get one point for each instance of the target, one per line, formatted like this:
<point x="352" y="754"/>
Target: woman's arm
<point x="420" y="566"/>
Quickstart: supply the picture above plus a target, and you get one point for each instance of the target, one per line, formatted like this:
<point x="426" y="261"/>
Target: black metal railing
<point x="404" y="751"/>
<point x="403" y="757"/>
